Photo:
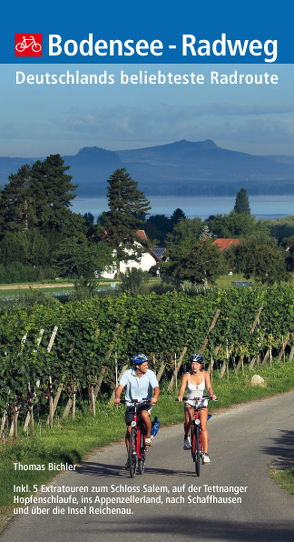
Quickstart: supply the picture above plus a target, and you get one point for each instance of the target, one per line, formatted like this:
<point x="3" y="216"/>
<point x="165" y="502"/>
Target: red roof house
<point x="224" y="244"/>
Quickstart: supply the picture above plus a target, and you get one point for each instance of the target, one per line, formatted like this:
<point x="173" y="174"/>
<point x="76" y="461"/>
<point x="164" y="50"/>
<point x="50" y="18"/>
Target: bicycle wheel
<point x="197" y="451"/>
<point x="20" y="47"/>
<point x="132" y="453"/>
<point x="36" y="47"/>
<point x="141" y="465"/>
<point x="141" y="462"/>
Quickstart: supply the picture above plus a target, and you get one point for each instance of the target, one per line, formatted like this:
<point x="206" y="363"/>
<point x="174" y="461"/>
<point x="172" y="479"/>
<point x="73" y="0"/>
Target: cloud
<point x="238" y="126"/>
<point x="166" y="123"/>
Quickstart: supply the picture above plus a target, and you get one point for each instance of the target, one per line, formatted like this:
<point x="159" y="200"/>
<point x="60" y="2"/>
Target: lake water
<point x="261" y="206"/>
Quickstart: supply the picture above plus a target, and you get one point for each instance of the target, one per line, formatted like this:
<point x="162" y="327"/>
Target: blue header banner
<point x="186" y="32"/>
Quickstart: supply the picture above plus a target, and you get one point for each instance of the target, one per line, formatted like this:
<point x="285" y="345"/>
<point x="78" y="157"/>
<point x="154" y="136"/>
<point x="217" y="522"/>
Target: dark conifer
<point x="242" y="203"/>
<point x="127" y="205"/>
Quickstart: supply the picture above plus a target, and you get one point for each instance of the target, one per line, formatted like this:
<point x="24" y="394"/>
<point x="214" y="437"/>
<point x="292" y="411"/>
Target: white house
<point x="147" y="260"/>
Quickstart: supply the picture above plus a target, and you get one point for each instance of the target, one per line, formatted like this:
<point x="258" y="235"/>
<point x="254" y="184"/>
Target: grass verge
<point x="73" y="440"/>
<point x="226" y="281"/>
<point x="284" y="478"/>
<point x="23" y="291"/>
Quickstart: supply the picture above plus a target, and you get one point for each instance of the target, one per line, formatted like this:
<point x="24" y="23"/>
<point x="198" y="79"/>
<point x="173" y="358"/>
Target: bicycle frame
<point x="27" y="42"/>
<point x="196" y="422"/>
<point x="196" y="434"/>
<point x="137" y="448"/>
<point x="138" y="425"/>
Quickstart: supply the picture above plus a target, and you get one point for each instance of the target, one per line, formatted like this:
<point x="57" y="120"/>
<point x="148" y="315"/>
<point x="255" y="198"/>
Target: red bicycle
<point x="137" y="448"/>
<point x="195" y="435"/>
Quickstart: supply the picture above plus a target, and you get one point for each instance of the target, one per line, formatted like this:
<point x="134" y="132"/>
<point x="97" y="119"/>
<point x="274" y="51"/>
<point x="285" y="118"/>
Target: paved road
<point x="244" y="440"/>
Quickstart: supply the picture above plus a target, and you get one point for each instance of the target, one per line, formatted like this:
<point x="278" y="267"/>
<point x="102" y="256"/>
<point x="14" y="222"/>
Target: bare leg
<point x="147" y="422"/>
<point x="127" y="437"/>
<point x="189" y="411"/>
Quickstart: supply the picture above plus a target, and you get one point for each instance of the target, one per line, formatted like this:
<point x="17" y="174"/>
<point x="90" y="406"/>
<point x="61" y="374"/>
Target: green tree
<point x="132" y="281"/>
<point x="126" y="205"/>
<point x="186" y="230"/>
<point x="89" y="224"/>
<point x="53" y="192"/>
<point x="237" y="226"/>
<point x="39" y="197"/>
<point x="259" y="257"/>
<point x="282" y="227"/>
<point x="27" y="247"/>
<point x="79" y="258"/>
<point x="17" y="207"/>
<point x="88" y="218"/>
<point x="157" y="227"/>
<point x="288" y="245"/>
<point x="205" y="234"/>
<point x="35" y="214"/>
<point x="242" y="203"/>
<point x="178" y="215"/>
<point x="199" y="262"/>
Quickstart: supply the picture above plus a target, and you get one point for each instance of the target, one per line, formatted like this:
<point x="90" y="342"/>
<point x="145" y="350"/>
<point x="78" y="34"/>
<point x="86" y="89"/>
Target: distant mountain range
<point x="183" y="168"/>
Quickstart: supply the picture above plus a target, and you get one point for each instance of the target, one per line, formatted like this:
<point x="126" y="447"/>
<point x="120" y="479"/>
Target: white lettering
<point x="224" y="46"/>
<point x="237" y="46"/>
<point x="188" y="43"/>
<point x="156" y="44"/>
<point x="89" y="44"/>
<point x="101" y="44"/>
<point x="204" y="50"/>
<point x="74" y="46"/>
<point x="271" y="49"/>
<point x="222" y="43"/>
<point x="255" y="47"/>
<point x="18" y="80"/>
<point x="142" y="48"/>
<point x="54" y="45"/>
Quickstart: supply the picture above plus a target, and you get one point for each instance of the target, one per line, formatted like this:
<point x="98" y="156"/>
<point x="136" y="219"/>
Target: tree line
<point x="258" y="254"/>
<point x="41" y="237"/>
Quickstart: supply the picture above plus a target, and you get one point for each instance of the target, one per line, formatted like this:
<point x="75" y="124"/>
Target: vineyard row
<point x="46" y="351"/>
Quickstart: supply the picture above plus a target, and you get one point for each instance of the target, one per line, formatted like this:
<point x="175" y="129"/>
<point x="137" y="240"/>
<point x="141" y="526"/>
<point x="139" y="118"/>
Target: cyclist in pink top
<point x="197" y="382"/>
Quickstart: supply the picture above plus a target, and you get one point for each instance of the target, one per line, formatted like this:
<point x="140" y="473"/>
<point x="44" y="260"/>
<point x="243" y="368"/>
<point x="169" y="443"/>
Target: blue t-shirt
<point x="138" y="388"/>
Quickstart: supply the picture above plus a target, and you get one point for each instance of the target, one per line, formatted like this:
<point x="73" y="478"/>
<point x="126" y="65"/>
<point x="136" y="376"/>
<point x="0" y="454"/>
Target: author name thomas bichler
<point x="41" y="467"/>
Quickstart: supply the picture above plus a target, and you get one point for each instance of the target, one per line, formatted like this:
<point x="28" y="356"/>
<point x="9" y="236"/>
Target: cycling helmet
<point x="197" y="357"/>
<point x="138" y="359"/>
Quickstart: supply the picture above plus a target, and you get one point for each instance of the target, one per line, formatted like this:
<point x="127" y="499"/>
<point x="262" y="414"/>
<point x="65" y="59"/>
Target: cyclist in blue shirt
<point x="139" y="383"/>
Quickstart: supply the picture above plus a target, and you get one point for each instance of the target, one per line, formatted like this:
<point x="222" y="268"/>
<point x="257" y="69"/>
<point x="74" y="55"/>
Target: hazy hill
<point x="91" y="168"/>
<point x="183" y="167"/>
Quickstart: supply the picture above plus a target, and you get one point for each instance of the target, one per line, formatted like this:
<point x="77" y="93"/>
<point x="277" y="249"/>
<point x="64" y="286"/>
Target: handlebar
<point x="135" y="402"/>
<point x="197" y="399"/>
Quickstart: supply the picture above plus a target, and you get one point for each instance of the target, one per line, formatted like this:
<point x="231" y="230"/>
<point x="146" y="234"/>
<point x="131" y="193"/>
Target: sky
<point x="41" y="119"/>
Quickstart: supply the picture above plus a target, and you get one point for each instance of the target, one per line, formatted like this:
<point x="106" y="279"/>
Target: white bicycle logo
<point x="26" y="43"/>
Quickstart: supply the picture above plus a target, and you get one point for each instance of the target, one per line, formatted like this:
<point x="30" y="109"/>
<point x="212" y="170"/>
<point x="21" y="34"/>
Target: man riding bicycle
<point x="139" y="383"/>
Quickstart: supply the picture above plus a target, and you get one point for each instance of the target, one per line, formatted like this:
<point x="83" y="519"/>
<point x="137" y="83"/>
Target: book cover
<point x="125" y="76"/>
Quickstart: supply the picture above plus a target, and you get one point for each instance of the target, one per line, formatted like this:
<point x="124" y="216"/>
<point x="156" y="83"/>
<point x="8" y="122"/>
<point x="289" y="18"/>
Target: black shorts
<point x="130" y="411"/>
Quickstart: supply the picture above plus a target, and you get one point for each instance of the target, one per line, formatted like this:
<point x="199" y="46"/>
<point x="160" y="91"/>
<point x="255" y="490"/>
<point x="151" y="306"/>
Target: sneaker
<point x="187" y="443"/>
<point x="127" y="465"/>
<point x="148" y="441"/>
<point x="205" y="459"/>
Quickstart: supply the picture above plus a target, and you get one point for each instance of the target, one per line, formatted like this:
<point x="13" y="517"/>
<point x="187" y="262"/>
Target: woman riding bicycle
<point x="197" y="381"/>
<point x="139" y="383"/>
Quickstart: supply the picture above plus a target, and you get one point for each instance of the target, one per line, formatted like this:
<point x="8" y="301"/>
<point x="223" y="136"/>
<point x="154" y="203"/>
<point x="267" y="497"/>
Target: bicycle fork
<point x="138" y="443"/>
<point x="139" y="449"/>
<point x="197" y="426"/>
